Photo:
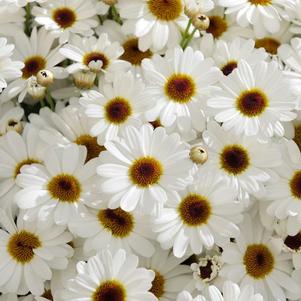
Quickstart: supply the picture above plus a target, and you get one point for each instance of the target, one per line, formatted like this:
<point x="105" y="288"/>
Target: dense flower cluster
<point x="150" y="150"/>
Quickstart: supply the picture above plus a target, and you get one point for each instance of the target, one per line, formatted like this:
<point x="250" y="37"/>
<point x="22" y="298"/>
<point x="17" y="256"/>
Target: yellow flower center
<point x="93" y="148"/>
<point x="269" y="44"/>
<point x="217" y="27"/>
<point x="64" y="17"/>
<point x="166" y="10"/>
<point x="21" y="245"/>
<point x="22" y="163"/>
<point x="110" y="290"/>
<point x="295" y="184"/>
<point x="158" y="285"/>
<point x="118" y="110"/>
<point x="261" y="2"/>
<point x="32" y="66"/>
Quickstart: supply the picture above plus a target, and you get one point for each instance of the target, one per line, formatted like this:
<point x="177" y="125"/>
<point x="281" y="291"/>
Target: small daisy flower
<point x="96" y="55"/>
<point x="180" y="84"/>
<point x="63" y="17"/>
<point x="150" y="19"/>
<point x="37" y="54"/>
<point x="57" y="191"/>
<point x="68" y="125"/>
<point x="198" y="216"/>
<point x="254" y="100"/>
<point x="17" y="151"/>
<point x="241" y="161"/>
<point x="264" y="15"/>
<point x="10" y="118"/>
<point x="110" y="276"/>
<point x="115" y="106"/>
<point x="170" y="276"/>
<point x="148" y="165"/>
<point x="117" y="228"/>
<point x="255" y="259"/>
<point x="29" y="253"/>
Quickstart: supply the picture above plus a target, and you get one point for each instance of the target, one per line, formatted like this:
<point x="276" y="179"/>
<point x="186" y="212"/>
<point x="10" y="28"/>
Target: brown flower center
<point x="65" y="17"/>
<point x="119" y="222"/>
<point x="295" y="184"/>
<point x="293" y="242"/>
<point x="252" y="103"/>
<point x="258" y="261"/>
<point x="47" y="295"/>
<point x="165" y="10"/>
<point x="21" y="245"/>
<point x="65" y="188"/>
<point x="32" y="66"/>
<point x="297" y="137"/>
<point x="93" y="148"/>
<point x="194" y="210"/>
<point x="269" y="44"/>
<point x="110" y="290"/>
<point x="158" y="285"/>
<point x="234" y="159"/>
<point x="217" y="27"/>
<point x="180" y="88"/>
<point x="96" y="56"/>
<point x="22" y="163"/>
<point x="132" y="53"/>
<point x="229" y="67"/>
<point x="261" y="2"/>
<point x="118" y="110"/>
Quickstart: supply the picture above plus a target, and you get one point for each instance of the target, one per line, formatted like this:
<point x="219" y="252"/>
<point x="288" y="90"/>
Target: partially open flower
<point x="34" y="89"/>
<point x="45" y="78"/>
<point x="84" y="79"/>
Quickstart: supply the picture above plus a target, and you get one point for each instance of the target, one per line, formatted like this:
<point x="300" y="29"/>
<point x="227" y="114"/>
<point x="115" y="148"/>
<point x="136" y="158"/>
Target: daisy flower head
<point x="110" y="276"/>
<point x="241" y="161"/>
<point x="116" y="106"/>
<point x="37" y="54"/>
<point x="115" y="227"/>
<point x="63" y="17"/>
<point x="150" y="19"/>
<point x="254" y="100"/>
<point x="58" y="190"/>
<point x="198" y="216"/>
<point x="264" y="15"/>
<point x="180" y="84"/>
<point x="148" y="165"/>
<point x="9" y="69"/>
<point x="256" y="259"/>
<point x="29" y="253"/>
<point x="93" y="54"/>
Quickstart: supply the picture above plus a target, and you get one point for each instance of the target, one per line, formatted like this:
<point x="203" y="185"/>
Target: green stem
<point x="185" y="33"/>
<point x="27" y="19"/>
<point x="115" y="15"/>
<point x="189" y="38"/>
<point x="50" y="101"/>
<point x="43" y="104"/>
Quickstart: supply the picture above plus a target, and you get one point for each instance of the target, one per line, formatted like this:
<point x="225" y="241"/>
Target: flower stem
<point x="189" y="38"/>
<point x="27" y="29"/>
<point x="113" y="13"/>
<point x="50" y="101"/>
<point x="185" y="33"/>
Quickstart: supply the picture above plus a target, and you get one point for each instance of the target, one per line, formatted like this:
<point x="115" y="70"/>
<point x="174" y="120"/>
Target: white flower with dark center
<point x="63" y="17"/>
<point x="254" y="100"/>
<point x="9" y="69"/>
<point x="150" y="19"/>
<point x="10" y="118"/>
<point x="68" y="125"/>
<point x="96" y="55"/>
<point x="57" y="192"/>
<point x="256" y="259"/>
<point x="110" y="276"/>
<point x="241" y="161"/>
<point x="198" y="216"/>
<point x="117" y="228"/>
<point x="29" y="252"/>
<point x="37" y="54"/>
<point x="148" y="165"/>
<point x="227" y="55"/>
<point x="180" y="84"/>
<point x="264" y="15"/>
<point x="17" y="151"/>
<point x="170" y="275"/>
<point x="116" y="106"/>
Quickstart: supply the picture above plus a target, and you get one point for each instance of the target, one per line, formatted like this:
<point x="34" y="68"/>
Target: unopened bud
<point x="198" y="155"/>
<point x="34" y="89"/>
<point x="45" y="78"/>
<point x="84" y="79"/>
<point x="110" y="2"/>
<point x="201" y="22"/>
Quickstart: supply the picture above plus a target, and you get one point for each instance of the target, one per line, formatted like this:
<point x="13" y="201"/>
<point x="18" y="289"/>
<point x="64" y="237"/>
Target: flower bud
<point x="198" y="155"/>
<point x="45" y="78"/>
<point x="34" y="89"/>
<point x="200" y="22"/>
<point x="84" y="79"/>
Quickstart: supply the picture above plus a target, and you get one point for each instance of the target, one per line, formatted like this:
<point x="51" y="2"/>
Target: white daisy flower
<point x="148" y="165"/>
<point x="116" y="228"/>
<point x="170" y="275"/>
<point x="254" y="100"/>
<point x="180" y="84"/>
<point x="37" y="54"/>
<point x="68" y="125"/>
<point x="227" y="55"/>
<point x="11" y="18"/>
<point x="284" y="195"/>
<point x="29" y="253"/>
<point x="9" y="69"/>
<point x="115" y="106"/>
<point x="10" y="118"/>
<point x="198" y="216"/>
<point x="264" y="15"/>
<point x="241" y="161"/>
<point x="57" y="192"/>
<point x="17" y="151"/>
<point x="150" y="19"/>
<point x="255" y="259"/>
<point x="63" y="17"/>
<point x="94" y="54"/>
<point x="110" y="276"/>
